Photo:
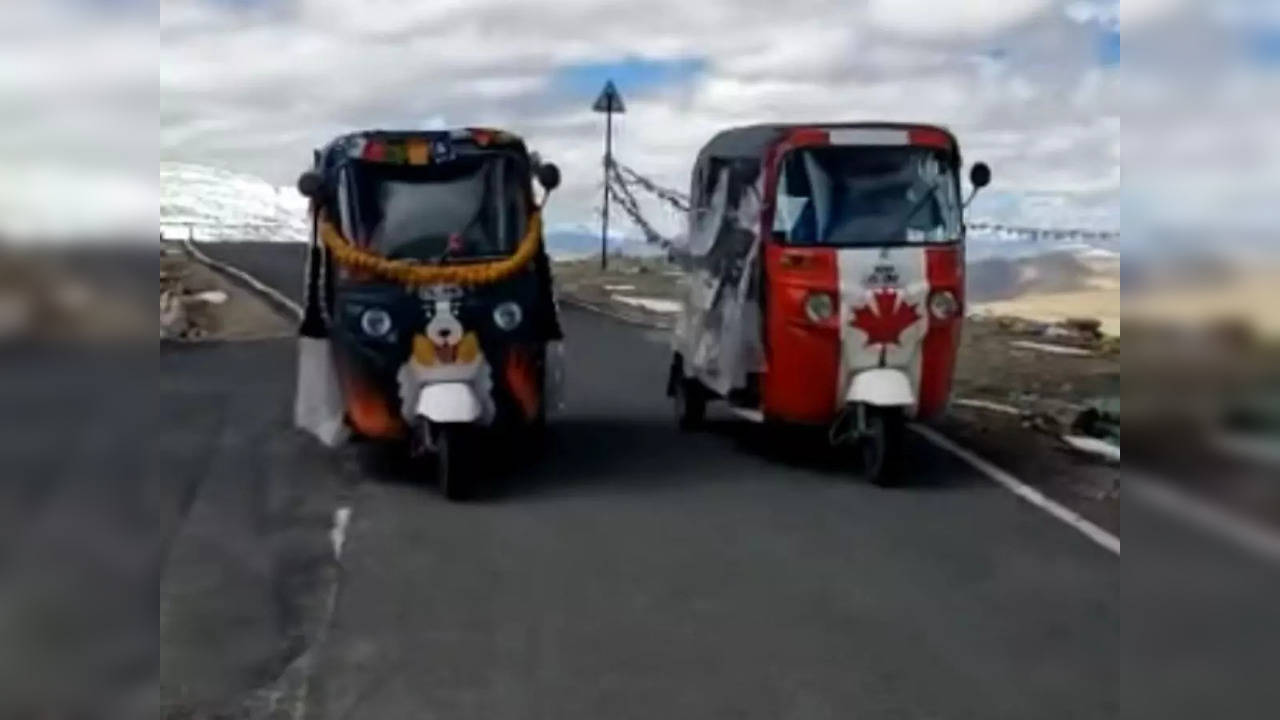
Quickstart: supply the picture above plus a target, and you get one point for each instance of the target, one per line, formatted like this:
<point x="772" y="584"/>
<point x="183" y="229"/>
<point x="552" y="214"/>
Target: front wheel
<point x="690" y="403"/>
<point x="882" y="447"/>
<point x="451" y="468"/>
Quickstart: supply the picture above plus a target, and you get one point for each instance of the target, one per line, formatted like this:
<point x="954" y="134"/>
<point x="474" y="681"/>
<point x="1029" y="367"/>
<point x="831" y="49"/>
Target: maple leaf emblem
<point x="884" y="318"/>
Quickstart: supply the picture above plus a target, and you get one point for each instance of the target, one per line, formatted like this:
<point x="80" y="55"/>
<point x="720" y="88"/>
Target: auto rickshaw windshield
<point x="473" y="206"/>
<point x="847" y="196"/>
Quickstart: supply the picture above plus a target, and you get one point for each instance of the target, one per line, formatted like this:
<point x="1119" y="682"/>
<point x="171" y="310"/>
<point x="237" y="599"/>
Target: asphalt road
<point x="248" y="564"/>
<point x="634" y="571"/>
<point x="279" y="265"/>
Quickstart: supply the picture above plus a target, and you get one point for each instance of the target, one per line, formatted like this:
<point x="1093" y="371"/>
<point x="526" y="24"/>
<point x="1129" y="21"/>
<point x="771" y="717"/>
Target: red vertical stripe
<point x="944" y="270"/>
<point x="803" y="357"/>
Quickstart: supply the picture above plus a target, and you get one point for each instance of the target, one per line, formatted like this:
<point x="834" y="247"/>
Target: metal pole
<point x="608" y="161"/>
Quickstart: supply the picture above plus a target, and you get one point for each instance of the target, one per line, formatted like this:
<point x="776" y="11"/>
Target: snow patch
<point x="1050" y="348"/>
<point x="214" y="204"/>
<point x="658" y="305"/>
<point x="1093" y="446"/>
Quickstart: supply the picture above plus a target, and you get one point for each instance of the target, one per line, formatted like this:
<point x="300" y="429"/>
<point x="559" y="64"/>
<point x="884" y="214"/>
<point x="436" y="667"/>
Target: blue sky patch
<point x="1109" y="48"/>
<point x="1264" y="47"/>
<point x="632" y="74"/>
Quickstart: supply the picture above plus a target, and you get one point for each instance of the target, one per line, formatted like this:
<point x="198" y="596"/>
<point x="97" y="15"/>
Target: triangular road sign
<point x="609" y="100"/>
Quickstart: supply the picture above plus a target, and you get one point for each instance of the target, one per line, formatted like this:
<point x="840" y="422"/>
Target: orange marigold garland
<point x="415" y="274"/>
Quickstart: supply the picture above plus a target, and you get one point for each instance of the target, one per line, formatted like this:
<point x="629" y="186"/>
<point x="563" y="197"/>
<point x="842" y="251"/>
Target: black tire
<point x="690" y="404"/>
<point x="452" y="473"/>
<point x="882" y="450"/>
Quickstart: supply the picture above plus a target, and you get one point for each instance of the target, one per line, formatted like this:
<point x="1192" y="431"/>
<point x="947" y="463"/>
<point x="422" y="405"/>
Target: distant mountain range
<point x="215" y="204"/>
<point x="568" y="241"/>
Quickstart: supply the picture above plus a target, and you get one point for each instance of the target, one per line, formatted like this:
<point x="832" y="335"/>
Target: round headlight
<point x="943" y="305"/>
<point x="375" y="322"/>
<point x="507" y="315"/>
<point x="819" y="306"/>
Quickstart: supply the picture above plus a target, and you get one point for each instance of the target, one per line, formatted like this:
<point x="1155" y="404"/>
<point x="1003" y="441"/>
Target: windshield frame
<point x="363" y="231"/>
<point x="787" y="152"/>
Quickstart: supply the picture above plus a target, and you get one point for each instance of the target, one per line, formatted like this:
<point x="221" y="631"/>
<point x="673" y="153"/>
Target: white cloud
<point x="1100" y="12"/>
<point x="1138" y="12"/>
<point x="76" y="154"/>
<point x="256" y="91"/>
<point x="952" y="19"/>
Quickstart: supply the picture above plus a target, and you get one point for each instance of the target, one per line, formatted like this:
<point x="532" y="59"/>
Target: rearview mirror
<point x="310" y="184"/>
<point x="548" y="176"/>
<point x="980" y="175"/>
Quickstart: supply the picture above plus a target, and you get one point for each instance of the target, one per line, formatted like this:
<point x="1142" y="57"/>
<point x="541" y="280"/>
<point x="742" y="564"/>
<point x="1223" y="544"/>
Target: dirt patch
<point x="74" y="294"/>
<point x="200" y="304"/>
<point x="1035" y="367"/>
<point x="635" y="289"/>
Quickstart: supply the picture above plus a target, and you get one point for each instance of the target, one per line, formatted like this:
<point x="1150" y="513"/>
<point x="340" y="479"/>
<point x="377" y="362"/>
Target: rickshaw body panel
<point x="384" y="376"/>
<point x="882" y="292"/>
<point x="502" y="363"/>
<point x="803" y="357"/>
<point x="811" y="364"/>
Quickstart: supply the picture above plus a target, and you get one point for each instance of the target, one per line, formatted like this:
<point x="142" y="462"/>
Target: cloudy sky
<point x="1028" y="85"/>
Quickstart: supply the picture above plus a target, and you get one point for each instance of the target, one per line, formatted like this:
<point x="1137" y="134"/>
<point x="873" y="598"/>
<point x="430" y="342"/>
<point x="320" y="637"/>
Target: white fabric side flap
<point x="318" y="406"/>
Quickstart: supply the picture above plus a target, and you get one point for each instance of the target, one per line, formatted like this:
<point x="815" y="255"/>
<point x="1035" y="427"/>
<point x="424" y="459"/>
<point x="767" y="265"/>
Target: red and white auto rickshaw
<point x="826" y="280"/>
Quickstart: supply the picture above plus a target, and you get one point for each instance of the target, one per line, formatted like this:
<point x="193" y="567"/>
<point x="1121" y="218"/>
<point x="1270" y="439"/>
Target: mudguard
<point x="882" y="387"/>
<point x="449" y="403"/>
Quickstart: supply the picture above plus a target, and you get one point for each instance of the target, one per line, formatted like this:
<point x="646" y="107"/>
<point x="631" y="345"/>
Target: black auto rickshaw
<point x="429" y="312"/>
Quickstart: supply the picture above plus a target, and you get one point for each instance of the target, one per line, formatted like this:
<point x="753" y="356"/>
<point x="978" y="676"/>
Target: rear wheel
<point x="690" y="403"/>
<point x="881" y="449"/>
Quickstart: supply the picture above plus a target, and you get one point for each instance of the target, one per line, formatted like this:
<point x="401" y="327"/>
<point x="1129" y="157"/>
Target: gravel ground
<point x="244" y="315"/>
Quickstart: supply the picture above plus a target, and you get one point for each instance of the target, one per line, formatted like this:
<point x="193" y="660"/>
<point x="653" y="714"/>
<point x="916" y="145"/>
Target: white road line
<point x="338" y="534"/>
<point x="1023" y="490"/>
<point x="1167" y="498"/>
<point x="338" y="538"/>
<point x="253" y="282"/>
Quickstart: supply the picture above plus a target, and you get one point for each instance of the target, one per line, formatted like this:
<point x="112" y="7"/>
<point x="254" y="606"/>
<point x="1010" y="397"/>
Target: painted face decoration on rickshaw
<point x="444" y="340"/>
